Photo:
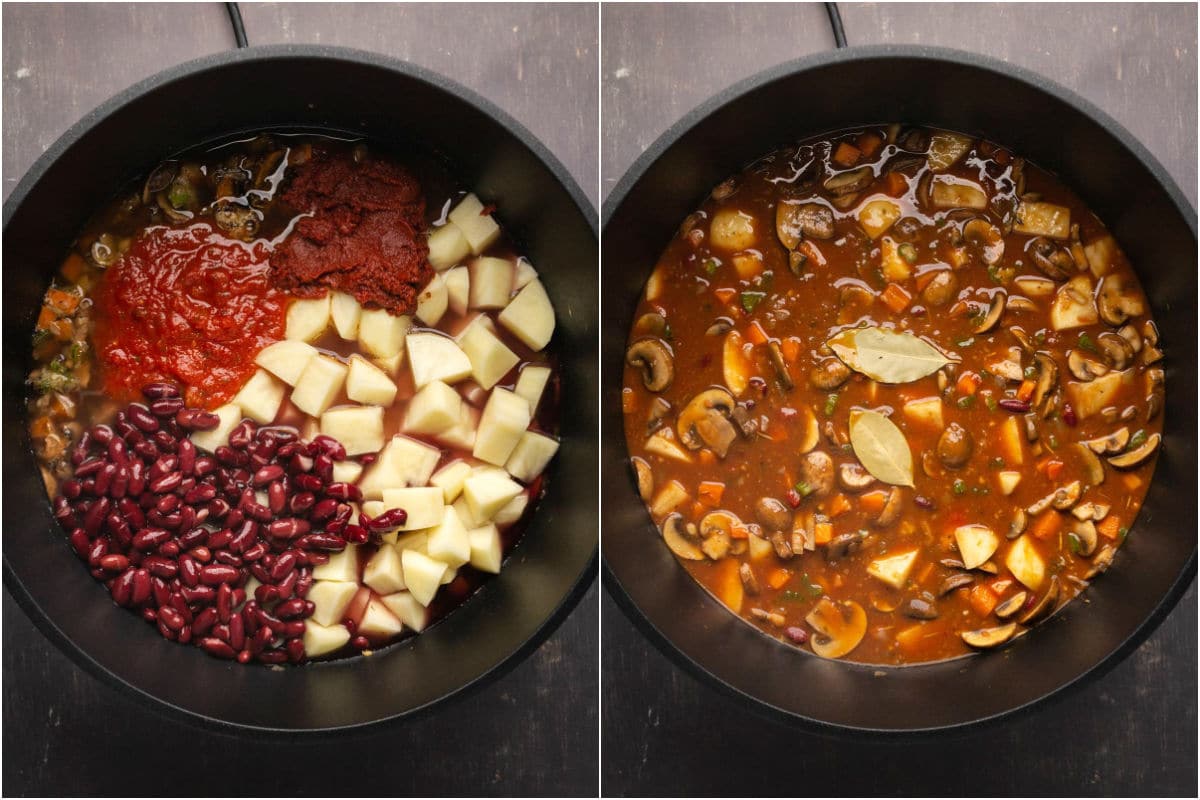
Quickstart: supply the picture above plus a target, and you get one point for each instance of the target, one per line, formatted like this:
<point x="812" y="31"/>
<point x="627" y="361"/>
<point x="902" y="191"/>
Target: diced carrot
<point x="1046" y="525"/>
<point x="62" y="302"/>
<point x="873" y="502"/>
<point x="897" y="184"/>
<point x="838" y="580"/>
<point x="710" y="493"/>
<point x="41" y="428"/>
<point x="791" y="349"/>
<point x="924" y="278"/>
<point x="727" y="583"/>
<point x="911" y="636"/>
<point x="756" y="334"/>
<point x="62" y="328"/>
<point x="967" y="383"/>
<point x="1054" y="469"/>
<point x="1132" y="482"/>
<point x="869" y="143"/>
<point x="846" y="154"/>
<point x="708" y="457"/>
<point x="925" y="572"/>
<point x="813" y="254"/>
<point x="895" y="298"/>
<point x="1000" y="585"/>
<point x="628" y="401"/>
<point x="1109" y="527"/>
<point x="778" y="577"/>
<point x="1025" y="392"/>
<point x="725" y="295"/>
<point x="982" y="600"/>
<point x="839" y="505"/>
<point x="698" y="509"/>
<point x="739" y="532"/>
<point x="45" y="317"/>
<point x="74" y="267"/>
<point x="822" y="532"/>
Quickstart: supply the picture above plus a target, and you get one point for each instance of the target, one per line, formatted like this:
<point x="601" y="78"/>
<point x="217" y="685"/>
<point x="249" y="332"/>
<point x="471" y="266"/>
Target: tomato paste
<point x="364" y="235"/>
<point x="186" y="305"/>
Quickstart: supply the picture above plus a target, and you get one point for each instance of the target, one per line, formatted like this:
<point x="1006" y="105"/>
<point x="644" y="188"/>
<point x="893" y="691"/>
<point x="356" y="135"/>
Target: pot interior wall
<point x="1157" y="231"/>
<point x="556" y="558"/>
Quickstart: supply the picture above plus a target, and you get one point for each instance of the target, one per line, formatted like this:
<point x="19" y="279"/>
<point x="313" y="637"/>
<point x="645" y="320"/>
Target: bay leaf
<point x="887" y="356"/>
<point x="881" y="447"/>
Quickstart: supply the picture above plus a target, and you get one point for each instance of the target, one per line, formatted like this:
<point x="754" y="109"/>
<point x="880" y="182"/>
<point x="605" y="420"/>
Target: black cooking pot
<point x="1117" y="179"/>
<point x="336" y="91"/>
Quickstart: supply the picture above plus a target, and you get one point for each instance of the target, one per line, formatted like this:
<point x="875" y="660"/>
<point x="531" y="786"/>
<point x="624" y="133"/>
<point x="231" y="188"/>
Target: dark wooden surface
<point x="534" y="732"/>
<point x="665" y="733"/>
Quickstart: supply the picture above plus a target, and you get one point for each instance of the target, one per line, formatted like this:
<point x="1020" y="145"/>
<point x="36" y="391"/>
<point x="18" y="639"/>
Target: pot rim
<point x="696" y="118"/>
<point x="216" y="62"/>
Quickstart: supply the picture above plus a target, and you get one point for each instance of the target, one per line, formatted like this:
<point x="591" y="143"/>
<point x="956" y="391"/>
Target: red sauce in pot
<point x="186" y="305"/>
<point x="364" y="236"/>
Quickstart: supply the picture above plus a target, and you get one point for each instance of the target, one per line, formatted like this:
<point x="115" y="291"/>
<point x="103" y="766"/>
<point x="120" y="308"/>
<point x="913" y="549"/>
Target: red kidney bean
<point x="288" y="528"/>
<point x="325" y="541"/>
<point x="97" y="551"/>
<point x="290" y="609"/>
<point x="215" y="574"/>
<point x="118" y="451"/>
<point x="140" y="416"/>
<point x="392" y="518"/>
<point x="71" y="488"/>
<point x="228" y="558"/>
<point x="221" y="631"/>
<point x="89" y="468"/>
<point x="287" y="586"/>
<point x="201" y="493"/>
<point x="267" y="474"/>
<point x="272" y="657"/>
<point x="295" y="650"/>
<point x="198" y="594"/>
<point x="95" y="515"/>
<point x="165" y="442"/>
<point x="187" y="456"/>
<point x="257" y="511"/>
<point x="167" y="503"/>
<point x="113" y="562"/>
<point x="120" y="482"/>
<point x="141" y="587"/>
<point x="163" y="465"/>
<point x="137" y="478"/>
<point x="80" y="542"/>
<point x="159" y="390"/>
<point x="277" y="497"/>
<point x="309" y="483"/>
<point x="166" y="406"/>
<point x="205" y="465"/>
<point x="300" y="464"/>
<point x="360" y="643"/>
<point x="150" y="538"/>
<point x="160" y="592"/>
<point x="215" y="647"/>
<point x="161" y="567"/>
<point x="367" y="459"/>
<point x="283" y="565"/>
<point x="166" y="483"/>
<point x="237" y="632"/>
<point x="189" y="570"/>
<point x="164" y="631"/>
<point x="103" y="434"/>
<point x="180" y="604"/>
<point x="356" y="534"/>
<point x="150" y="615"/>
<point x="261" y="637"/>
<point x="266" y="593"/>
<point x="204" y="621"/>
<point x="185" y="635"/>
<point x="323" y="509"/>
<point x="323" y="467"/>
<point x="254" y="553"/>
<point x="344" y="512"/>
<point x="193" y="419"/>
<point x="219" y="539"/>
<point x="224" y="602"/>
<point x="122" y="588"/>
<point x="244" y="537"/>
<point x="1014" y="405"/>
<point x="304" y="582"/>
<point x="169" y="550"/>
<point x="330" y="447"/>
<point x="127" y="431"/>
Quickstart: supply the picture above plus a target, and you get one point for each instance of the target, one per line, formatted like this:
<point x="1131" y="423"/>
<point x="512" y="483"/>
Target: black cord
<point x="239" y="28"/>
<point x="835" y="22"/>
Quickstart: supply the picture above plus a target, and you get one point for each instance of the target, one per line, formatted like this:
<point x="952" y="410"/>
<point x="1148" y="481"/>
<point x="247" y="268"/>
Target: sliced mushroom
<point x="1111" y="444"/>
<point x="1019" y="522"/>
<point x="746" y="423"/>
<point x="1117" y="351"/>
<point x="1085" y="533"/>
<point x="995" y="311"/>
<point x="838" y="627"/>
<point x="773" y="514"/>
<point x="238" y="221"/>
<point x="1130" y="334"/>
<point x="1021" y="305"/>
<point x="1138" y="456"/>
<point x="1052" y="259"/>
<point x="783" y="548"/>
<point x="654" y="358"/>
<point x="1040" y="506"/>
<point x="1084" y="368"/>
<point x="651" y="324"/>
<point x="1092" y="464"/>
<point x="1066" y="496"/>
<point x="719" y="328"/>
<point x="816" y="473"/>
<point x="159" y="179"/>
<point x="695" y="421"/>
<point x="104" y="250"/>
<point x="1117" y="302"/>
<point x="920" y="608"/>
<point x="716" y="431"/>
<point x="829" y="374"/>
<point x="1044" y="605"/>
<point x="1102" y="561"/>
<point x="985" y="238"/>
<point x="1011" y="606"/>
<point x="844" y="183"/>
<point x="1154" y="392"/>
<point x="842" y="545"/>
<point x="1090" y="510"/>
<point x="673" y="534"/>
<point x="795" y="222"/>
<point x="990" y="637"/>
<point x="645" y="478"/>
<point x="853" y="477"/>
<point x="941" y="289"/>
<point x="957" y="580"/>
<point x="955" y="445"/>
<point x="780" y="365"/>
<point x="746" y="573"/>
<point x="1150" y="353"/>
<point x="854" y="300"/>
<point x="1047" y="378"/>
<point x="891" y="509"/>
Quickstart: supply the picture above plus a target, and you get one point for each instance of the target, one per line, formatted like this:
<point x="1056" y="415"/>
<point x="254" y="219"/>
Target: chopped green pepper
<point x="1138" y="439"/>
<point x="831" y="404"/>
<point x="751" y="299"/>
<point x="813" y="590"/>
<point x="711" y="265"/>
<point x="960" y="487"/>
<point x="970" y="340"/>
<point x="803" y="489"/>
<point x="991" y="402"/>
<point x="908" y="253"/>
<point x="1074" y="543"/>
<point x="966" y="402"/>
<point x="1086" y="343"/>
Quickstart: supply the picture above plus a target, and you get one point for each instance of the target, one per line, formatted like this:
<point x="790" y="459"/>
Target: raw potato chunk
<point x="382" y="334"/>
<point x="1012" y="442"/>
<point x="378" y="622"/>
<point x="341" y="567"/>
<point x="948" y="191"/>
<point x="330" y="598"/>
<point x="413" y="540"/>
<point x="505" y="418"/>
<point x="382" y="573"/>
<point x="877" y="216"/>
<point x="478" y="228"/>
<point x="422" y="574"/>
<point x="319" y="385"/>
<point x="945" y="149"/>
<point x="320" y="640"/>
<point x="925" y="411"/>
<point x="525" y="274"/>
<point x="405" y="606"/>
<point x="487" y="492"/>
<point x="464" y="514"/>
<point x="491" y="282"/>
<point x="358" y="428"/>
<point x="403" y="462"/>
<point x="531" y="384"/>
<point x="1100" y="255"/>
<point x="423" y="503"/>
<point x="486" y="552"/>
<point x="895" y="268"/>
<point x="1008" y="482"/>
<point x="490" y="359"/>
<point x="893" y="570"/>
<point x="732" y="230"/>
<point x="229" y="415"/>
<point x="450" y="479"/>
<point x="390" y="365"/>
<point x="347" y="471"/>
<point x="663" y="444"/>
<point x="368" y="384"/>
<point x="433" y="357"/>
<point x="530" y="317"/>
<point x="531" y="455"/>
<point x="458" y="289"/>
<point x="447" y="247"/>
<point x="448" y="541"/>
<point x="260" y="397"/>
<point x="1026" y="563"/>
<point x="1090" y="398"/>
<point x="463" y="434"/>
<point x="432" y="301"/>
<point x="512" y="510"/>
<point x="976" y="543"/>
<point x="307" y="319"/>
<point x="286" y="360"/>
<point x="1043" y="219"/>
<point x="435" y="408"/>
<point x="1074" y="306"/>
<point x="346" y="313"/>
